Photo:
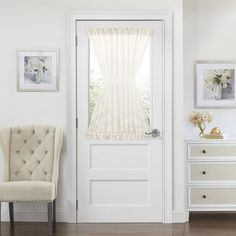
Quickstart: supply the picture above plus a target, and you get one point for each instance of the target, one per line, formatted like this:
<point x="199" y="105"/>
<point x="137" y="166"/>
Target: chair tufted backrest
<point x="31" y="154"/>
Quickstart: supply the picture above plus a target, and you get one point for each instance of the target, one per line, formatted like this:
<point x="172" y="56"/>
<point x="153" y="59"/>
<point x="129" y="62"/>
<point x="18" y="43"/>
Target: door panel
<point x="119" y="157"/>
<point x="119" y="192"/>
<point x="119" y="180"/>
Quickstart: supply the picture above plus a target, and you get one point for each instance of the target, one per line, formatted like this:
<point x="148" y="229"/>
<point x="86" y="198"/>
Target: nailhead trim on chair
<point x="28" y="201"/>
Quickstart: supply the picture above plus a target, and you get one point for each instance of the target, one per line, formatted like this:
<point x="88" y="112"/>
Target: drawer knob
<point x="203" y="151"/>
<point x="204" y="196"/>
<point x="203" y="172"/>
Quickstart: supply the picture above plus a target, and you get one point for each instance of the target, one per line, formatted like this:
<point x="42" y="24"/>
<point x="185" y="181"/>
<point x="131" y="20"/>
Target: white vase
<point x="39" y="77"/>
<point x="218" y="91"/>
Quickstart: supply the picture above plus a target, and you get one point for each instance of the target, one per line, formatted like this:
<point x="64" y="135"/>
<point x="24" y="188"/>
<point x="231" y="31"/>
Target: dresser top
<point x="204" y="140"/>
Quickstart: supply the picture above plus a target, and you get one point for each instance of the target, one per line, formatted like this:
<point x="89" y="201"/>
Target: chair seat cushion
<point x="27" y="191"/>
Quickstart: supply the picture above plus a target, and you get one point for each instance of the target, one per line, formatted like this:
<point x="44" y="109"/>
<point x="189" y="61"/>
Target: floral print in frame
<point x="38" y="70"/>
<point x="215" y="85"/>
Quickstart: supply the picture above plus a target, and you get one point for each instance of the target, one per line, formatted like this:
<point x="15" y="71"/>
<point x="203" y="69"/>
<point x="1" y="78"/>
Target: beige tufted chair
<point x="31" y="155"/>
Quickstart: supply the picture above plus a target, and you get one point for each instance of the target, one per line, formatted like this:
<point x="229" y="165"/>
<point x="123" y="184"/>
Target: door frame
<point x="71" y="42"/>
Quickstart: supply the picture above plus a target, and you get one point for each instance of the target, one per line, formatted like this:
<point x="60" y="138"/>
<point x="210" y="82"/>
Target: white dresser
<point x="211" y="175"/>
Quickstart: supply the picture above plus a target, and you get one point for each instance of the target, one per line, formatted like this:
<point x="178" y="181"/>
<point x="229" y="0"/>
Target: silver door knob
<point x="155" y="133"/>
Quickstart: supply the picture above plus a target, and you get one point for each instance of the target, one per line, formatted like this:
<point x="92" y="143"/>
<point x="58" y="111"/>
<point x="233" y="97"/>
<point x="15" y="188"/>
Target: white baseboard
<point x="34" y="215"/>
<point x="179" y="216"/>
<point x="40" y="215"/>
<point x="72" y="212"/>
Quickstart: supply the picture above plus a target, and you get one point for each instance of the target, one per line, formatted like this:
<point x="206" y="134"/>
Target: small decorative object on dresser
<point x="38" y="70"/>
<point x="199" y="119"/>
<point x="215" y="85"/>
<point x="216" y="130"/>
<point x="210" y="175"/>
<point x="215" y="134"/>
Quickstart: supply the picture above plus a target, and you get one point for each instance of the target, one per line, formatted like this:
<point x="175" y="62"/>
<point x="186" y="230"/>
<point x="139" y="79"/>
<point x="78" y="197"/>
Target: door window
<point x="119" y="84"/>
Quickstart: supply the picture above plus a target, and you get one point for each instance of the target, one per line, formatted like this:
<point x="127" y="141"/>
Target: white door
<point x="120" y="180"/>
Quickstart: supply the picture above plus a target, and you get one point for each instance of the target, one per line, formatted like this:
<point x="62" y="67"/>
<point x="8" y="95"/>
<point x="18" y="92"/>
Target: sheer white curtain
<point x="119" y="113"/>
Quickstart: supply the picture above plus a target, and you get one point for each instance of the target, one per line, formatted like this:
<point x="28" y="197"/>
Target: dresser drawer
<point x="211" y="196"/>
<point x="211" y="151"/>
<point x="212" y="172"/>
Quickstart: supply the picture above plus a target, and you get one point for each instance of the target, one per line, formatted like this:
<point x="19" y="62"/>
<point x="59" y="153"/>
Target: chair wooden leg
<point x="0" y="219"/>
<point x="11" y="212"/>
<point x="54" y="215"/>
<point x="50" y="216"/>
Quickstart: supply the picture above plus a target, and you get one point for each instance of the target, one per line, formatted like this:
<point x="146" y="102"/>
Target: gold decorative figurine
<point x="215" y="130"/>
<point x="215" y="134"/>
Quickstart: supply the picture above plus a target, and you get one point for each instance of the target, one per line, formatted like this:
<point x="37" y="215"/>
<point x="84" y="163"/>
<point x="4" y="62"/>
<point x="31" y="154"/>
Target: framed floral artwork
<point x="215" y="84"/>
<point x="38" y="70"/>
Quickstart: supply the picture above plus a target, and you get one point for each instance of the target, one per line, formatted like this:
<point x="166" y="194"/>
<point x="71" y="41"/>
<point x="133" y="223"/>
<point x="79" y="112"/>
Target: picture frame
<point x="38" y="70"/>
<point x="215" y="84"/>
